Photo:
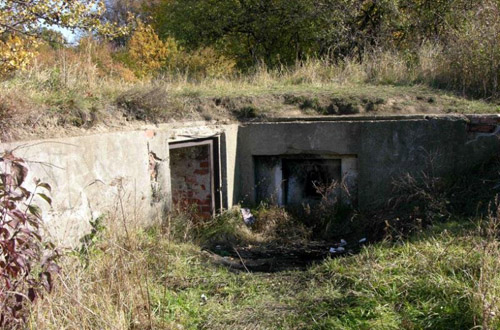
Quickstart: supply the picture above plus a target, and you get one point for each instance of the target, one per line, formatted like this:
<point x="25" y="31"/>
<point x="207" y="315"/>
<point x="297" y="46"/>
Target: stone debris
<point x="339" y="249"/>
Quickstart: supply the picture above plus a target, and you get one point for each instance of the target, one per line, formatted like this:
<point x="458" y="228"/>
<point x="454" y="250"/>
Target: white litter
<point x="340" y="249"/>
<point x="332" y="250"/>
<point x="343" y="242"/>
<point x="362" y="240"/>
<point x="248" y="217"/>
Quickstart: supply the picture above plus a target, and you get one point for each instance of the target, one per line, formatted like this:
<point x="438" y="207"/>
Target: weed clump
<point x="277" y="225"/>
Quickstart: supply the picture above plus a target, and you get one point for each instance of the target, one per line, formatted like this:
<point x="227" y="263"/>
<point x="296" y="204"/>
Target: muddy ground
<point x="272" y="258"/>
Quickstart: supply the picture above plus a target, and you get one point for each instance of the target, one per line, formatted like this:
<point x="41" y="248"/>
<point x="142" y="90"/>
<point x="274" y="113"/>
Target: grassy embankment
<point x="70" y="92"/>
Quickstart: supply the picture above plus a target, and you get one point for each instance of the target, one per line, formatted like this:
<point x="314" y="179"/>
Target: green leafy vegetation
<point x="460" y="38"/>
<point x="433" y="281"/>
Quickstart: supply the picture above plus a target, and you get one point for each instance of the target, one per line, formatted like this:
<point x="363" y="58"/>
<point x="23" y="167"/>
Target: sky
<point x="70" y="36"/>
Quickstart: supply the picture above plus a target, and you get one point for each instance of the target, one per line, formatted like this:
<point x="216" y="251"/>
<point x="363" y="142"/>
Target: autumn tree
<point x="21" y="23"/>
<point x="118" y="11"/>
<point x="149" y="54"/>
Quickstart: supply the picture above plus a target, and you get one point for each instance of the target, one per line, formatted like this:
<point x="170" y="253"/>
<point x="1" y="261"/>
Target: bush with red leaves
<point x="27" y="263"/>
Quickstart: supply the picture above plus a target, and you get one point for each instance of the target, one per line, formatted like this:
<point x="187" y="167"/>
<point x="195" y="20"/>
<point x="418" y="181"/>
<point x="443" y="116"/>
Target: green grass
<point x="427" y="282"/>
<point x="279" y="98"/>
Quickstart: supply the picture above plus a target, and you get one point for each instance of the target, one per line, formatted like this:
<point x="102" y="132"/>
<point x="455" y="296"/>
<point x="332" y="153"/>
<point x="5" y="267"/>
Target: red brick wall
<point x="191" y="179"/>
<point x="483" y="123"/>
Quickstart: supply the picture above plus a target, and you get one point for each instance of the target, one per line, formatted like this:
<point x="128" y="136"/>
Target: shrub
<point x="100" y="54"/>
<point x="277" y="225"/>
<point x="149" y="54"/>
<point x="206" y="62"/>
<point x="332" y="215"/>
<point x="471" y="61"/>
<point x="26" y="262"/>
<point x="418" y="202"/>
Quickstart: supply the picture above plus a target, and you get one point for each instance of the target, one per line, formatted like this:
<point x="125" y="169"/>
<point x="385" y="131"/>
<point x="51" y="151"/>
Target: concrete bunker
<point x="195" y="176"/>
<point x="244" y="163"/>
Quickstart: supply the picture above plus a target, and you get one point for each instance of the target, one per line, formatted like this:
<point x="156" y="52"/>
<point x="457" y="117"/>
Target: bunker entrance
<point x="303" y="230"/>
<point x="296" y="180"/>
<point x="195" y="178"/>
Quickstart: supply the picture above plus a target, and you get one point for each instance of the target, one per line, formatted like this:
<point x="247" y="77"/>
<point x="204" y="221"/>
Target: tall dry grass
<point x="103" y="287"/>
<point x="486" y="293"/>
<point x="84" y="86"/>
<point x="91" y="70"/>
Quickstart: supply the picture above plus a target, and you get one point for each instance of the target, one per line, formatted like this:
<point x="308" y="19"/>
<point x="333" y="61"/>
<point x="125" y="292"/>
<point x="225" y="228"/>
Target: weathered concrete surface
<point x="228" y="154"/>
<point x="107" y="174"/>
<point x="89" y="176"/>
<point x="384" y="148"/>
<point x="127" y="175"/>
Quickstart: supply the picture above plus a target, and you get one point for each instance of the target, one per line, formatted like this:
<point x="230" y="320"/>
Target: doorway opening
<point x="195" y="176"/>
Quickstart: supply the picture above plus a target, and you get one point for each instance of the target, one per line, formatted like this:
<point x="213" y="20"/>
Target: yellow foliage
<point x="149" y="54"/>
<point x="16" y="53"/>
<point x="206" y="62"/>
<point x="30" y="17"/>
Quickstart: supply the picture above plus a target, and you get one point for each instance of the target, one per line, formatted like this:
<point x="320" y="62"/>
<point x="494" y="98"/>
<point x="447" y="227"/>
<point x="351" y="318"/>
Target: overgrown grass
<point x="445" y="278"/>
<point x="87" y="88"/>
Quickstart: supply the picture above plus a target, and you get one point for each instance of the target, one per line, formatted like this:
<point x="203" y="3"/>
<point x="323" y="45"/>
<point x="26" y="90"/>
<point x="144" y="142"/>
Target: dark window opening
<point x="302" y="177"/>
<point x="294" y="180"/>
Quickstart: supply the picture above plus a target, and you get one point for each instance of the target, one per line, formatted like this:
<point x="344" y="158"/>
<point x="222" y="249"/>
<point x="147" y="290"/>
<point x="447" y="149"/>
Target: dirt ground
<point x="266" y="258"/>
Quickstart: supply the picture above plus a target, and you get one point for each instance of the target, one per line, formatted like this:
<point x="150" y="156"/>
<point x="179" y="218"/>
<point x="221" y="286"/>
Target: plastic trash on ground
<point x="248" y="217"/>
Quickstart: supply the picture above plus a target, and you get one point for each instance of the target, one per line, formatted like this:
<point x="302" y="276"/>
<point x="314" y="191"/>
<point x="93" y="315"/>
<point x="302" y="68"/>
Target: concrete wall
<point x="127" y="174"/>
<point x="385" y="148"/>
